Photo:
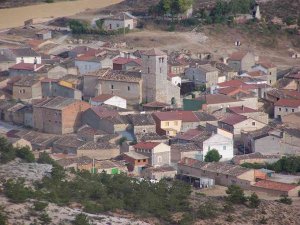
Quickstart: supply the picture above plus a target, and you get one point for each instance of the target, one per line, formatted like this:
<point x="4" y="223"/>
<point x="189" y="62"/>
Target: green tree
<point x="81" y="219"/>
<point x="40" y="206"/>
<point x="7" y="151"/>
<point x="236" y="194"/>
<point x="3" y="219"/>
<point x="254" y="201"/>
<point x="285" y="200"/>
<point x="45" y="219"/>
<point x="207" y="210"/>
<point x="100" y="23"/>
<point x="212" y="156"/>
<point x="25" y="153"/>
<point x="16" y="190"/>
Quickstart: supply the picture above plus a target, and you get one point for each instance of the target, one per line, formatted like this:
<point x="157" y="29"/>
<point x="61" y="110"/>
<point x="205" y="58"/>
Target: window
<point x="279" y="109"/>
<point x="144" y="131"/>
<point x="144" y="160"/>
<point x="118" y="25"/>
<point x="286" y="109"/>
<point x="270" y="82"/>
<point x="293" y="110"/>
<point x="128" y="88"/>
<point x="162" y="59"/>
<point x="112" y="86"/>
<point x="224" y="147"/>
<point x="148" y="69"/>
<point x="159" y="159"/>
<point x="253" y="123"/>
<point x="139" y="160"/>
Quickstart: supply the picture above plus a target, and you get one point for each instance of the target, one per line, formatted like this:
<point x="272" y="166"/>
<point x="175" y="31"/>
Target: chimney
<point x="34" y="66"/>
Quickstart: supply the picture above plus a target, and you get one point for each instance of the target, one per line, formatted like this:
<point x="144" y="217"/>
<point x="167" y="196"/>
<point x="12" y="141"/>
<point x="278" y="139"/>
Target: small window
<point x="253" y="123"/>
<point x="270" y="82"/>
<point x="112" y="86"/>
<point x="139" y="160"/>
<point x="144" y="160"/>
<point x="162" y="59"/>
<point x="128" y="88"/>
<point x="286" y="109"/>
<point x="279" y="109"/>
<point x="118" y="25"/>
<point x="148" y="69"/>
<point x="293" y="110"/>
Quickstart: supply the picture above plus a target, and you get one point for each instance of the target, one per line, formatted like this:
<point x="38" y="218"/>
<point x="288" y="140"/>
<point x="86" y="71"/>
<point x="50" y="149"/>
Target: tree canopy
<point x="212" y="156"/>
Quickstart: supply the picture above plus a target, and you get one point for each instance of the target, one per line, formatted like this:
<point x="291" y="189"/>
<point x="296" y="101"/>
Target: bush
<point x="49" y="1"/>
<point x="285" y="200"/>
<point x="212" y="156"/>
<point x="254" y="201"/>
<point x="16" y="191"/>
<point x="81" y="219"/>
<point x="207" y="210"/>
<point x="263" y="220"/>
<point x="40" y="206"/>
<point x="236" y="195"/>
<point x="228" y="207"/>
<point x="45" y="219"/>
<point x="26" y="154"/>
<point x="3" y="219"/>
<point x="229" y="218"/>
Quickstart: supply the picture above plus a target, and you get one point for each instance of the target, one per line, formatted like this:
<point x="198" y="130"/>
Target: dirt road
<point x="14" y="17"/>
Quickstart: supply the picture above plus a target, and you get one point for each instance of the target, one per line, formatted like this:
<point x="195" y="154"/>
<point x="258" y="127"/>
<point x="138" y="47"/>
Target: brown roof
<point x="266" y="64"/>
<point x="156" y="105"/>
<point x="267" y="184"/>
<point x="294" y="103"/>
<point x="146" y="145"/>
<point x="237" y="56"/>
<point x="135" y="155"/>
<point x="26" y="66"/>
<point x="154" y="52"/>
<point x="123" y="60"/>
<point x="117" y="75"/>
<point x="216" y="99"/>
<point x="184" y="116"/>
<point x="102" y="98"/>
<point x="241" y="109"/>
<point x="232" y="83"/>
<point x="234" y="119"/>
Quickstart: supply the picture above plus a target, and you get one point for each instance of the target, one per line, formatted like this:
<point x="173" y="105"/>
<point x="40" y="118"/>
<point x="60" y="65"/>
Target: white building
<point x="119" y="21"/>
<point x="223" y="144"/>
<point x="108" y="99"/>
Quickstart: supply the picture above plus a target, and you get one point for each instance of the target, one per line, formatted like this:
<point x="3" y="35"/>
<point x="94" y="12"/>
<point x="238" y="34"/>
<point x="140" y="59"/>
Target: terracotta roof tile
<point x="102" y="98"/>
<point x="237" y="56"/>
<point x="146" y="145"/>
<point x="234" y="119"/>
<point x="184" y="116"/>
<point x="27" y="66"/>
<point x="294" y="103"/>
<point x="241" y="109"/>
<point x="275" y="185"/>
<point x="122" y="61"/>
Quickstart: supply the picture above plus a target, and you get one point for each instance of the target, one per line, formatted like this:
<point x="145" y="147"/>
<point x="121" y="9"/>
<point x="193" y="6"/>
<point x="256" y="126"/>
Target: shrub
<point x="254" y="201"/>
<point x="26" y="154"/>
<point x="263" y="220"/>
<point x="236" y="195"/>
<point x="45" y="219"/>
<point x="207" y="210"/>
<point x="229" y="218"/>
<point x="16" y="190"/>
<point x="3" y="219"/>
<point x="285" y="200"/>
<point x="49" y="1"/>
<point x="40" y="206"/>
<point x="81" y="219"/>
<point x="212" y="156"/>
<point x="228" y="207"/>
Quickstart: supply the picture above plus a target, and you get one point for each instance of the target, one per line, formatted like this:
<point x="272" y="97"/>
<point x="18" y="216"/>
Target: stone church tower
<point x="156" y="86"/>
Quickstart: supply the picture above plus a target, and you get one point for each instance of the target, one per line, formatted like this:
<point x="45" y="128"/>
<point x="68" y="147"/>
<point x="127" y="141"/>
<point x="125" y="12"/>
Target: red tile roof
<point x="231" y="91"/>
<point x="232" y="83"/>
<point x="122" y="61"/>
<point x="294" y="103"/>
<point x="294" y="75"/>
<point x="156" y="105"/>
<point x="241" y="109"/>
<point x="184" y="116"/>
<point x="275" y="185"/>
<point x="257" y="73"/>
<point x="266" y="64"/>
<point x="146" y="145"/>
<point x="102" y="98"/>
<point x="234" y="119"/>
<point x="237" y="56"/>
<point x="26" y="66"/>
<point x="216" y="99"/>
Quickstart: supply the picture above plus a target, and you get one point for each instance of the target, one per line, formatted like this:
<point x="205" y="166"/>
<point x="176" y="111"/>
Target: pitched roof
<point x="24" y="52"/>
<point x="278" y="186"/>
<point x="203" y="116"/>
<point x="267" y="64"/>
<point x="216" y="99"/>
<point x="237" y="56"/>
<point x="154" y="52"/>
<point x="232" y="83"/>
<point x="184" y="116"/>
<point x="141" y="119"/>
<point x="117" y="75"/>
<point x="27" y="66"/>
<point x="102" y="98"/>
<point x="135" y="155"/>
<point x="234" y="119"/>
<point x="123" y="60"/>
<point x="146" y="145"/>
<point x="56" y="102"/>
<point x="156" y="104"/>
<point x="241" y="109"/>
<point x="294" y="103"/>
<point x="26" y="81"/>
